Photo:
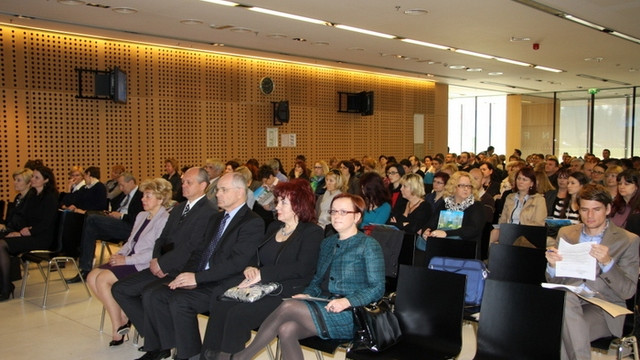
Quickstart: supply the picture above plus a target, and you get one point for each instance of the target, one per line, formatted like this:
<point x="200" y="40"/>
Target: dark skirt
<point x="22" y="244"/>
<point x="120" y="271"/>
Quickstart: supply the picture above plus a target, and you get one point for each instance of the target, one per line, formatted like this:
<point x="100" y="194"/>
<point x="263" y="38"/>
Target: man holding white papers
<point x="616" y="253"/>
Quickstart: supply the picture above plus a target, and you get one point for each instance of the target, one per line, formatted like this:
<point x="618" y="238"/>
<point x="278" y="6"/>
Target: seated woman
<point x="611" y="179"/>
<point x="15" y="219"/>
<point x="172" y="175"/>
<point x="417" y="211"/>
<point x="348" y="171"/>
<point x="569" y="209"/>
<point x="334" y="186"/>
<point x="524" y="206"/>
<point x="350" y="272"/>
<point x="597" y="173"/>
<point x="288" y="255"/>
<point x="320" y="168"/>
<point x="93" y="196"/>
<point x="394" y="173"/>
<point x="434" y="198"/>
<point x="38" y="229"/>
<point x="460" y="194"/>
<point x="299" y="171"/>
<point x="135" y="255"/>
<point x="490" y="179"/>
<point x="376" y="197"/>
<point x="627" y="201"/>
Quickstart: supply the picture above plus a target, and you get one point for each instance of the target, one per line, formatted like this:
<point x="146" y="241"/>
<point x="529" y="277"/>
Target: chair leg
<point x="319" y="355"/>
<point x="103" y="245"/>
<point x="46" y="284"/>
<point x="66" y="286"/>
<point x="25" y="275"/>
<point x="104" y="310"/>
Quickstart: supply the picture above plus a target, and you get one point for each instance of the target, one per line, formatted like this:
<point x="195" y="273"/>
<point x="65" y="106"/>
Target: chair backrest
<point x="391" y="242"/>
<point x="519" y="321"/>
<point x="517" y="264"/>
<point x="449" y="247"/>
<point x="429" y="306"/>
<point x="537" y="235"/>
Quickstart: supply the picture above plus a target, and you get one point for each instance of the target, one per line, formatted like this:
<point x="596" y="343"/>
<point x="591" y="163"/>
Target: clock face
<point x="266" y="85"/>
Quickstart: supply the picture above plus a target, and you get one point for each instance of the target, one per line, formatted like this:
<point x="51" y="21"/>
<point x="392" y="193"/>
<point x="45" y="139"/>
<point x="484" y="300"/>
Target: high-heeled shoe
<point x="119" y="342"/>
<point x="9" y="294"/>
<point x="124" y="329"/>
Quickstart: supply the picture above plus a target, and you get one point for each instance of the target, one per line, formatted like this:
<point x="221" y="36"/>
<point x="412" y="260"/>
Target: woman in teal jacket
<point x="350" y="272"/>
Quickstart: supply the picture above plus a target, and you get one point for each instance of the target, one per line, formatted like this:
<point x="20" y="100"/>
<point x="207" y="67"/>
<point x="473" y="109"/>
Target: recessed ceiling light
<point x="124" y="10"/>
<point x="277" y="36"/>
<point x="191" y="22"/>
<point x="457" y="67"/>
<point x="495" y="73"/>
<point x="220" y="27"/>
<point x="320" y="43"/>
<point x="217" y="44"/>
<point x="596" y="59"/>
<point x="474" y="69"/>
<point x="299" y="39"/>
<point x="416" y="12"/>
<point x="519" y="38"/>
<point x="355" y="48"/>
<point x="71" y="2"/>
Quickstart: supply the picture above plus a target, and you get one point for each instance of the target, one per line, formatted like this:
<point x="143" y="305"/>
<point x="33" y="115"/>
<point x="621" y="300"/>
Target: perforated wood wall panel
<point x="188" y="105"/>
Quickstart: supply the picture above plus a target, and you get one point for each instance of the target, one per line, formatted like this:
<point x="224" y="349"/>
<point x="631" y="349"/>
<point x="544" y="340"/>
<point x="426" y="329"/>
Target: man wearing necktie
<point x="115" y="226"/>
<point x="230" y="243"/>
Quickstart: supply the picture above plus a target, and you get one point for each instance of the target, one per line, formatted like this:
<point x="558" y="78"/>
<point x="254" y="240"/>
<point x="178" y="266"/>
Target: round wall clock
<point x="266" y="85"/>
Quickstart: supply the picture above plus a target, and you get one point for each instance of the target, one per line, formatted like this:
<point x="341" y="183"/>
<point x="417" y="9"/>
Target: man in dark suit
<point x="115" y="225"/>
<point x="616" y="253"/>
<point x="232" y="239"/>
<point x="183" y="232"/>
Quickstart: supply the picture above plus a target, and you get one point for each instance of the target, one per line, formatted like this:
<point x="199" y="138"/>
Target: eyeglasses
<point x="438" y="182"/>
<point x="317" y="167"/>
<point x="465" y="186"/>
<point x="597" y="172"/>
<point x="391" y="173"/>
<point x="340" y="212"/>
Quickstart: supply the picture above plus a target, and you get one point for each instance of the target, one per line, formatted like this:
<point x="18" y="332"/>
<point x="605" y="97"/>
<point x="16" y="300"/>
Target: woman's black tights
<point x="291" y="321"/>
<point x="5" y="264"/>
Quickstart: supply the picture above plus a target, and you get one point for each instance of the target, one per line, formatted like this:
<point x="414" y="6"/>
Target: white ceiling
<point x="481" y="26"/>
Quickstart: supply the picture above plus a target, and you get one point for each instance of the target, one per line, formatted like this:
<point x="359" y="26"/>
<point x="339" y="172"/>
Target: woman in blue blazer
<point x="350" y="272"/>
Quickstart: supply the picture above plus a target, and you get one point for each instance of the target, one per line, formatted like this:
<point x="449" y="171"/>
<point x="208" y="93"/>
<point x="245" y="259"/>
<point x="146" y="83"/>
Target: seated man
<point x="115" y="225"/>
<point x="183" y="232"/>
<point x="232" y="238"/>
<point x="616" y="251"/>
<point x="214" y="168"/>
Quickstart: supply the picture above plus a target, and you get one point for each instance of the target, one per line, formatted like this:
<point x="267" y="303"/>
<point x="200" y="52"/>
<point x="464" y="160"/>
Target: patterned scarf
<point x="450" y="203"/>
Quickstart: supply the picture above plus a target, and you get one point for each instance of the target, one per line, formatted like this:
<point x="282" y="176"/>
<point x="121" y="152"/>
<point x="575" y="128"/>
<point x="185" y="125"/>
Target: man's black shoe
<point x="76" y="279"/>
<point x="155" y="355"/>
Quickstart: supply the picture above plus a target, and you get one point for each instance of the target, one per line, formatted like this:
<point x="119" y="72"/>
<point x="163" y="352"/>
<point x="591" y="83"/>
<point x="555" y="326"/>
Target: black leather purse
<point x="376" y="325"/>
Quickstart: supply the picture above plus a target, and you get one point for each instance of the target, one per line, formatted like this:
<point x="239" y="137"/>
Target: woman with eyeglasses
<point x="627" y="201"/>
<point x="376" y="197"/>
<point x="334" y="186"/>
<point x="460" y="194"/>
<point x="394" y="173"/>
<point x="435" y="197"/>
<point x="320" y="168"/>
<point x="597" y="173"/>
<point x="523" y="206"/>
<point x="350" y="272"/>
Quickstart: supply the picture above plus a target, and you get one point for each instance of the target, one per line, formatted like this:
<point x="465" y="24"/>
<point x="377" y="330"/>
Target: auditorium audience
<point x="394" y="174"/>
<point x="434" y="198"/>
<point x="352" y="276"/>
<point x="597" y="173"/>
<point x="134" y="256"/>
<point x="38" y="227"/>
<point x="349" y="174"/>
<point x="490" y="179"/>
<point x="299" y="170"/>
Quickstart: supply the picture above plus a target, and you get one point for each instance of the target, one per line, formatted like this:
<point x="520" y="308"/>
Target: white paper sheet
<point x="576" y="261"/>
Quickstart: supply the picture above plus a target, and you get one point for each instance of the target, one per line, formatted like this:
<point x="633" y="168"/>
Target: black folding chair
<point x="536" y="235"/>
<point x="517" y="264"/>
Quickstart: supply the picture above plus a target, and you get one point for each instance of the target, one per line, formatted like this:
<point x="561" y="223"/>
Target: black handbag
<point x="376" y="325"/>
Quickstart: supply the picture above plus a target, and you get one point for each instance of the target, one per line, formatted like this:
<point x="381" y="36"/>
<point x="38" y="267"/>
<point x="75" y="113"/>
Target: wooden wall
<point x="189" y="105"/>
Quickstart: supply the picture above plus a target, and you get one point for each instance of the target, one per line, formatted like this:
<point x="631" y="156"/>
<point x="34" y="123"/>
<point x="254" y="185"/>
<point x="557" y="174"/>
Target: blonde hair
<point x="449" y="167"/>
<point x="325" y="167"/>
<point x="452" y="184"/>
<point x="340" y="183"/>
<point x="25" y="173"/>
<point x="160" y="187"/>
<point x="415" y="184"/>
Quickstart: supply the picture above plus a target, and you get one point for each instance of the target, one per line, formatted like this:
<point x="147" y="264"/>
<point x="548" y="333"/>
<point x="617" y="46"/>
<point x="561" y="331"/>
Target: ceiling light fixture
<point x="191" y="22"/>
<point x="625" y="36"/>
<point x="71" y="2"/>
<point x="495" y="73"/>
<point x="415" y="12"/>
<point x="124" y="10"/>
<point x="221" y="2"/>
<point x="583" y="22"/>
<point x="456" y="67"/>
<point x="467" y="52"/>
<point x="364" y="31"/>
<point x="423" y="43"/>
<point x="514" y="62"/>
<point x="548" y="69"/>
<point x="288" y="16"/>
